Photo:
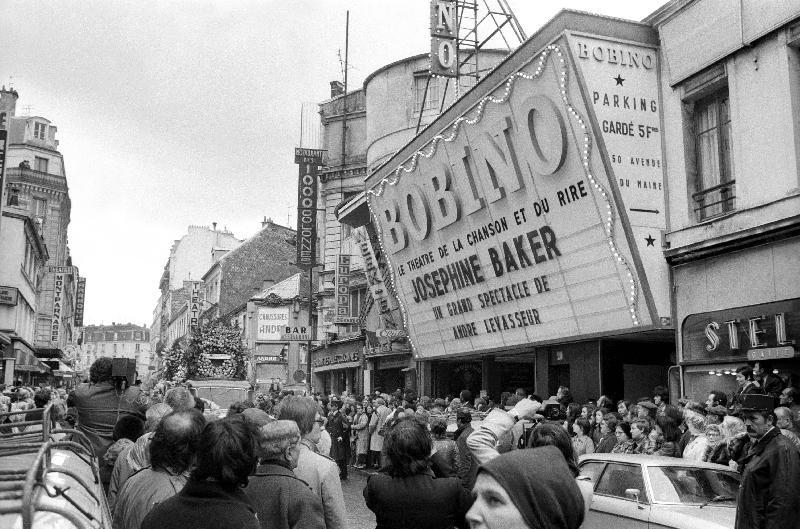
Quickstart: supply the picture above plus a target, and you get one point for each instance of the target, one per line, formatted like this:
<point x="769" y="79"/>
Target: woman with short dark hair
<point x="409" y="495"/>
<point x="607" y="441"/>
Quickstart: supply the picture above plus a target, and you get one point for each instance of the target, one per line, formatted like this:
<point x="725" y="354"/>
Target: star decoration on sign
<point x="650" y="240"/>
<point x="619" y="79"/>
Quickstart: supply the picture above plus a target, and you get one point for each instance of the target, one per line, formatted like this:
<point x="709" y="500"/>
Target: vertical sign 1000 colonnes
<point x="506" y="232"/>
<point x="308" y="160"/>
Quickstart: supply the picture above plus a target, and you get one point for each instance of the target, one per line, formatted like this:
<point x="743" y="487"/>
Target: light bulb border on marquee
<point x="411" y="163"/>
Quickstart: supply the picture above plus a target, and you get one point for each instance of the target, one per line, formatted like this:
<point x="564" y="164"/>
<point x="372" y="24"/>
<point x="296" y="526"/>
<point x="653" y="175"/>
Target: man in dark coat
<point x="467" y="464"/>
<point x="769" y="495"/>
<point x="339" y="429"/>
<point x="282" y="500"/>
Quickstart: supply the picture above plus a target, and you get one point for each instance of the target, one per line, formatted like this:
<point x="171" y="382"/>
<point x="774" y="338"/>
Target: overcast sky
<point x="172" y="113"/>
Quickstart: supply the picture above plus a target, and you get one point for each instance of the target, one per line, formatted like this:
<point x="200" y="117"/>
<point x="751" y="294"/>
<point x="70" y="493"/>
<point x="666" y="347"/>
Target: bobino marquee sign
<point x="504" y="229"/>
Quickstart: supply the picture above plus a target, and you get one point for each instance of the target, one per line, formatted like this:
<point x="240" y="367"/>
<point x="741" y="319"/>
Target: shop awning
<point x="25" y="359"/>
<point x="64" y="371"/>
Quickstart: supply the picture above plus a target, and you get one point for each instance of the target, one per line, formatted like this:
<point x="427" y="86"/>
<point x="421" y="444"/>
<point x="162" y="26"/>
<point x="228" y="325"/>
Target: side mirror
<point x="633" y="494"/>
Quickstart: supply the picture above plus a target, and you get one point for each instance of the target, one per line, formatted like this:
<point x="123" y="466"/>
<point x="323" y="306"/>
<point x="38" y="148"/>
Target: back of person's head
<point x="41" y="398"/>
<point x="408" y="446"/>
<point x="128" y="427"/>
<point x="154" y="414"/>
<point x="605" y="402"/>
<point x="227" y="452"/>
<point x="540" y="487"/>
<point x="438" y="426"/>
<point x="719" y="396"/>
<point x="101" y="369"/>
<point x="555" y="435"/>
<point x="463" y="416"/>
<point x="179" y="399"/>
<point x="746" y="372"/>
<point x="275" y="438"/>
<point x="584" y="425"/>
<point x="465" y="396"/>
<point x="669" y="428"/>
<point x="175" y="441"/>
<point x="301" y="410"/>
<point x="733" y="426"/>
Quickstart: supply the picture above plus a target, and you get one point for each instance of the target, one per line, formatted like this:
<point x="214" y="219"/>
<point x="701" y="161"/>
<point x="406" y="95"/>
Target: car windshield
<point x="693" y="485"/>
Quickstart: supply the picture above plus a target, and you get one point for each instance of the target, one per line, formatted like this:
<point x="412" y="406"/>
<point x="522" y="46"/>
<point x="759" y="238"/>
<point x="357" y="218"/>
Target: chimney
<point x="337" y="88"/>
<point x="264" y="222"/>
<point x="214" y="226"/>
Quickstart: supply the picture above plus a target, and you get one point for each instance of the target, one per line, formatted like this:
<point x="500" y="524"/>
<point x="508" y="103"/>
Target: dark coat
<point x="769" y="496"/>
<point x="339" y="426"/>
<point x="467" y="464"/>
<point x="284" y="501"/>
<point x="417" y="502"/>
<point x="606" y="444"/>
<point x="203" y="505"/>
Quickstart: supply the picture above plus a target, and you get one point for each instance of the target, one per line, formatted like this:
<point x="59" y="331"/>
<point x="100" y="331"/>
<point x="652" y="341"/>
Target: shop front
<point x="338" y="367"/>
<point x="716" y="343"/>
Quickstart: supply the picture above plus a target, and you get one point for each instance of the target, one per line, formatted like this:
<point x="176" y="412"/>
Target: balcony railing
<point x="31" y="176"/>
<point x="715" y="200"/>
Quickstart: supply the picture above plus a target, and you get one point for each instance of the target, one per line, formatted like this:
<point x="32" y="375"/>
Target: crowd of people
<point x="279" y="462"/>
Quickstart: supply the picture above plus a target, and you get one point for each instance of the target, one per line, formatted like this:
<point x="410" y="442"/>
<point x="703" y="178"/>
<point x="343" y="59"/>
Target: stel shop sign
<point x="505" y="229"/>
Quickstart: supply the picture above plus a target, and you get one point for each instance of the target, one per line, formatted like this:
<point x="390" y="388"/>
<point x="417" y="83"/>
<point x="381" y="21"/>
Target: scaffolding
<point x="49" y="477"/>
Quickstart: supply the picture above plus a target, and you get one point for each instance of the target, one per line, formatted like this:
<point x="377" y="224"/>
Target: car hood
<point x="692" y="516"/>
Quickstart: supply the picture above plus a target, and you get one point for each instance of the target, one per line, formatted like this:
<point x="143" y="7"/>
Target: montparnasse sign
<point x="505" y="229"/>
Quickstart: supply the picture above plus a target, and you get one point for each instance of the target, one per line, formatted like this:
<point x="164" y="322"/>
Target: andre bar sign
<point x="504" y="229"/>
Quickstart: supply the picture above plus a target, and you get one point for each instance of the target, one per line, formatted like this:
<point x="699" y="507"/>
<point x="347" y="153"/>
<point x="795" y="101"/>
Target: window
<point x="40" y="131"/>
<point x="2" y="120"/>
<point x="431" y="100"/>
<point x="39" y="210"/>
<point x="618" y="478"/>
<point x="714" y="191"/>
<point x="693" y="485"/>
<point x="592" y="470"/>
<point x="41" y="164"/>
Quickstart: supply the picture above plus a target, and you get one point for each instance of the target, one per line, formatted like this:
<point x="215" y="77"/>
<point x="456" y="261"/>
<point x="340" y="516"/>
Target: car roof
<point x="651" y="461"/>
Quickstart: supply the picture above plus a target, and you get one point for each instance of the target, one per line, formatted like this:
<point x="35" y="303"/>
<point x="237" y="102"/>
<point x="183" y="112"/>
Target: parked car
<point x="641" y="492"/>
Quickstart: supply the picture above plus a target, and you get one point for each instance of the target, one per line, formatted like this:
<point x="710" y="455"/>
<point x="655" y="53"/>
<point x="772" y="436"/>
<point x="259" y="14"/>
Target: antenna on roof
<point x="28" y="109"/>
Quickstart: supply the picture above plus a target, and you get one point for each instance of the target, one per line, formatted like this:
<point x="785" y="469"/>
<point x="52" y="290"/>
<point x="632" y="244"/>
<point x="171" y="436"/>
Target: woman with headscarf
<point x="717" y="448"/>
<point x="483" y="441"/>
<point x="526" y="489"/>
<point x="698" y="442"/>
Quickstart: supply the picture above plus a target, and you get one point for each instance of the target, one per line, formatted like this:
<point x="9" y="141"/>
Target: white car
<point x="653" y="492"/>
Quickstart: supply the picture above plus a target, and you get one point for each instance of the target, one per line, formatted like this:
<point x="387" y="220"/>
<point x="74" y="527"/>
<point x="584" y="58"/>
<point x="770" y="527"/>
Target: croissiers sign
<point x="506" y="229"/>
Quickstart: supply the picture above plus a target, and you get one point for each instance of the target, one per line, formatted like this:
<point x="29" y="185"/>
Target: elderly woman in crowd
<point x="625" y="443"/>
<point x="361" y="428"/>
<point x="408" y="495"/>
<point x="736" y="434"/>
<point x="698" y="442"/>
<point x="717" y="445"/>
<point x="526" y="489"/>
<point x="281" y="499"/>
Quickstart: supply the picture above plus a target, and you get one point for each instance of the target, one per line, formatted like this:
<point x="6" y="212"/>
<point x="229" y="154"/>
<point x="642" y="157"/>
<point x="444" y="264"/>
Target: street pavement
<point x="358" y="515"/>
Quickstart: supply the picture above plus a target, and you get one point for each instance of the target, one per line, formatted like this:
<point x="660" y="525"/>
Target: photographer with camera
<point x="100" y="403"/>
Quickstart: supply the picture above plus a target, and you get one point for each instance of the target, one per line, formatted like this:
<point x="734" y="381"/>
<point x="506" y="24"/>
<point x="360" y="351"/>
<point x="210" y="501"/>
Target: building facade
<point x="22" y="265"/>
<point x="467" y="214"/>
<point x="118" y="340"/>
<point x="36" y="183"/>
<point x="731" y="110"/>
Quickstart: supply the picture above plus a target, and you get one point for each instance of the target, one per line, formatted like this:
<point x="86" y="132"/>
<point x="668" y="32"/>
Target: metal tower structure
<point x="479" y="24"/>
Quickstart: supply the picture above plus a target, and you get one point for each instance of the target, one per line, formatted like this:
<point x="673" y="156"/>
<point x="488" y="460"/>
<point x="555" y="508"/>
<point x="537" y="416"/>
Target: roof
<point x="653" y="461"/>
<point x="286" y="289"/>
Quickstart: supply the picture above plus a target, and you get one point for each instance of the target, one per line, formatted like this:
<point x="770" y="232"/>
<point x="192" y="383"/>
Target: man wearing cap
<point x="769" y="494"/>
<point x="282" y="500"/>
